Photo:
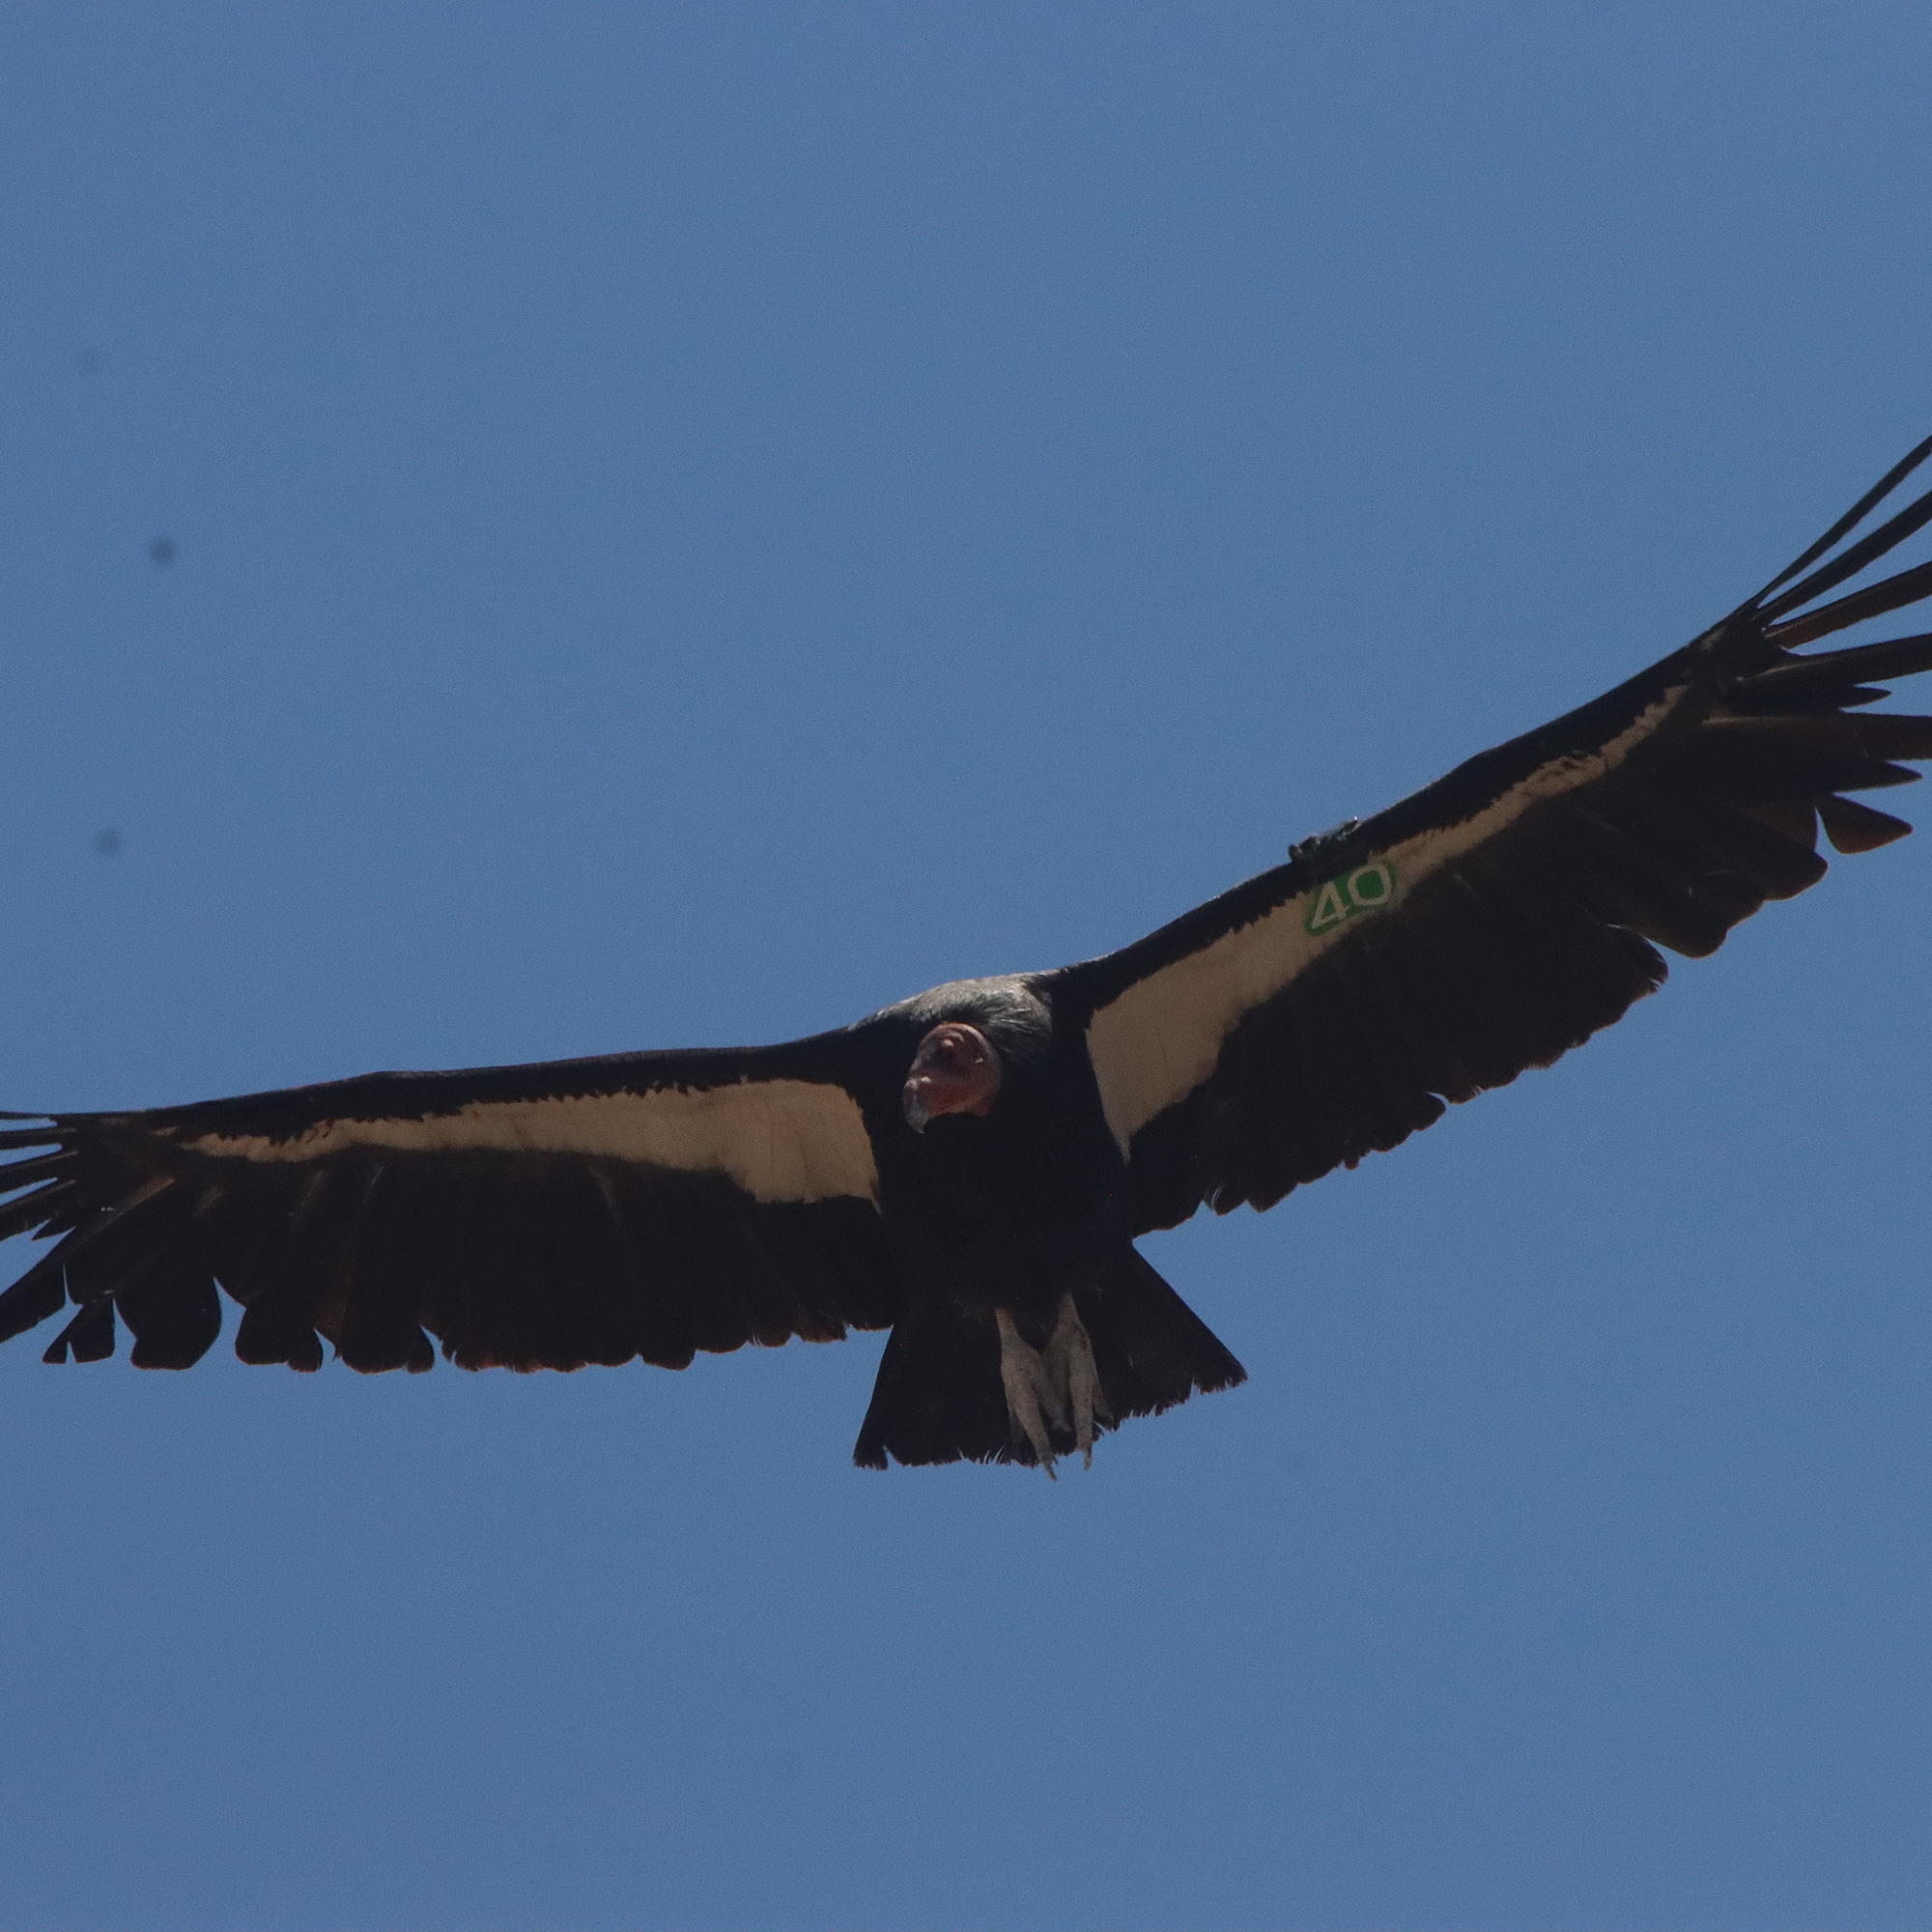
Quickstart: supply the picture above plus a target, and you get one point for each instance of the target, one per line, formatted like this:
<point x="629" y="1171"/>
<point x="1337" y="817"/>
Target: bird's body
<point x="971" y="1167"/>
<point x="1022" y="1210"/>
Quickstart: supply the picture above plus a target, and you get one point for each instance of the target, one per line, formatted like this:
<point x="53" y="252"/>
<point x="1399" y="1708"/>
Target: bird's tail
<point x="939" y="1396"/>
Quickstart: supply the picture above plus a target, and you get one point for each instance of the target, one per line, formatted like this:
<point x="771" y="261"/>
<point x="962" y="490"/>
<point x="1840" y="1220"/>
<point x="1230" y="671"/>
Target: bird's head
<point x="975" y="1037"/>
<point x="957" y="1070"/>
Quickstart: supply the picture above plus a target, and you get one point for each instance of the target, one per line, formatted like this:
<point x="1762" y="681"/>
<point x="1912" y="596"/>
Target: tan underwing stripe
<point x="1162" y="1037"/>
<point x="780" y="1140"/>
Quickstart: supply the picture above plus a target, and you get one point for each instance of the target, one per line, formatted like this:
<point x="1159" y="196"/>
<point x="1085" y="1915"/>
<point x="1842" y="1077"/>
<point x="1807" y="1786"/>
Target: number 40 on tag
<point x="1367" y="889"/>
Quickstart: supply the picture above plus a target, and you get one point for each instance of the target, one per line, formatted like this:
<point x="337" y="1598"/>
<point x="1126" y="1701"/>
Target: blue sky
<point x="689" y="522"/>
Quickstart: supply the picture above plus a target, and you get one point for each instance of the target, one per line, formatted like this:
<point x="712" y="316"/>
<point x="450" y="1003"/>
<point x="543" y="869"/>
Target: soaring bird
<point x="971" y="1167"/>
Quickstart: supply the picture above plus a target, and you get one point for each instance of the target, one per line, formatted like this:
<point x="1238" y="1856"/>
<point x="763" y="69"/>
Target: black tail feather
<point x="938" y="1396"/>
<point x="1152" y="1349"/>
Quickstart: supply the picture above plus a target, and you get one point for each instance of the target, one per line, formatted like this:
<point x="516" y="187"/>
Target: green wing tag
<point x="1367" y="889"/>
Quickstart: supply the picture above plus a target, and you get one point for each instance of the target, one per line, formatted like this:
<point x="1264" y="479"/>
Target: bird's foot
<point x="1056" y="1387"/>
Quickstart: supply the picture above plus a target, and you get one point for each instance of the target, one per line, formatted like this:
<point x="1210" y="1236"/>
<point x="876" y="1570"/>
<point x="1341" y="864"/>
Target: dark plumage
<point x="971" y="1167"/>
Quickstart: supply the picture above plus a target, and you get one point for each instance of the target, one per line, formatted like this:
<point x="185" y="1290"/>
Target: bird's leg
<point x="1042" y="1385"/>
<point x="1028" y="1383"/>
<point x="1069" y="1358"/>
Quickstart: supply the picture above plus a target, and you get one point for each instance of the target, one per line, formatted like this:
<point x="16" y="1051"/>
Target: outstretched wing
<point x="542" y="1216"/>
<point x="1331" y="1007"/>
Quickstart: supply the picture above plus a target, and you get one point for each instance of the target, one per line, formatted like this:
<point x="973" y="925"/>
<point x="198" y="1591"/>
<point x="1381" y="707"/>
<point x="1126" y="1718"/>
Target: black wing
<point x="541" y="1216"/>
<point x="1333" y="1005"/>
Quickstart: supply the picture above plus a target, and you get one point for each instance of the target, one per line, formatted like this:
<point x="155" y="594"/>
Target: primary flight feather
<point x="970" y="1167"/>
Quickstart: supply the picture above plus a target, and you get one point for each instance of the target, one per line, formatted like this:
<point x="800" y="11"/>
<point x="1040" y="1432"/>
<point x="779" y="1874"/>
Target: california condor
<point x="971" y="1167"/>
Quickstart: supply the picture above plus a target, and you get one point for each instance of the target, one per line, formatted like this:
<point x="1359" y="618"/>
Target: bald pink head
<point x="955" y="1071"/>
